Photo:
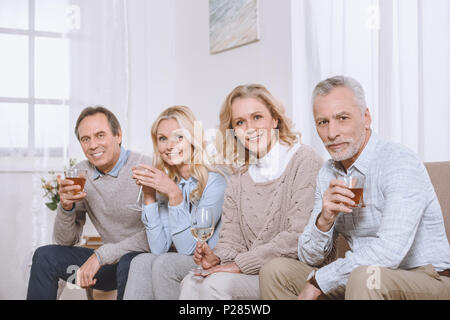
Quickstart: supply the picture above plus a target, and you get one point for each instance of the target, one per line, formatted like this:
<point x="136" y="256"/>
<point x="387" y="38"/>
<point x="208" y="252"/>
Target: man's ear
<point x="367" y="119"/>
<point x="119" y="136"/>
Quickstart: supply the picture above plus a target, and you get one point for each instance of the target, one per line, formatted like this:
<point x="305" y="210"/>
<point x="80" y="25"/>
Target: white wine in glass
<point x="202" y="234"/>
<point x="202" y="228"/>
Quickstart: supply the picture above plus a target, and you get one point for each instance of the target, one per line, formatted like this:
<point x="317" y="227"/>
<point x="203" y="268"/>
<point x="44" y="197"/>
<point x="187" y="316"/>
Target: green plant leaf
<point x="51" y="205"/>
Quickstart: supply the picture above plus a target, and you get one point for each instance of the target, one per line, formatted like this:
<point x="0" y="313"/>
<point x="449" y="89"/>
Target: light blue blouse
<point x="165" y="223"/>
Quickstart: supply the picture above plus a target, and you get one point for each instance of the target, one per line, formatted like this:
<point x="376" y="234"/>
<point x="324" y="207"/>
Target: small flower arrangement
<point x="51" y="187"/>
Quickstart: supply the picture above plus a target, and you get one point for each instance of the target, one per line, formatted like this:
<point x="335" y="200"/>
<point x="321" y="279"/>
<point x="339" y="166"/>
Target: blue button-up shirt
<point x="123" y="157"/>
<point x="401" y="226"/>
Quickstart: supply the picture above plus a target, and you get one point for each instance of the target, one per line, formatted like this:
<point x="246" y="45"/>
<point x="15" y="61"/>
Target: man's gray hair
<point x="324" y="87"/>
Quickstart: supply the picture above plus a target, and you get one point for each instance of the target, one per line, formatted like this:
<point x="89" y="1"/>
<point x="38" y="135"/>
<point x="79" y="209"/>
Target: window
<point x="34" y="77"/>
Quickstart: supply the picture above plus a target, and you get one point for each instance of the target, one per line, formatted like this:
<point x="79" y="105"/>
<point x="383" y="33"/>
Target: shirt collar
<point x="185" y="181"/>
<point x="362" y="163"/>
<point x="186" y="187"/>
<point x="123" y="157"/>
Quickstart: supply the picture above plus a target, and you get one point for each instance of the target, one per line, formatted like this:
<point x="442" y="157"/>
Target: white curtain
<point x="100" y="61"/>
<point x="398" y="49"/>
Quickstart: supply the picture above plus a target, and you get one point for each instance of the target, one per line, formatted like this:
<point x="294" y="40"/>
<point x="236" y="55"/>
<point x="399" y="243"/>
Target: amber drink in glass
<point x="78" y="176"/>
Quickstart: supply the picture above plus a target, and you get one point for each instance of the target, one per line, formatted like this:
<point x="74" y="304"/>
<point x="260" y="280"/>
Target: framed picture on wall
<point x="232" y="23"/>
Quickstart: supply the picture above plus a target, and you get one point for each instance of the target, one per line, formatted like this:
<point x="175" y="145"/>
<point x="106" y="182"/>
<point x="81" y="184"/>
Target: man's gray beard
<point x="354" y="150"/>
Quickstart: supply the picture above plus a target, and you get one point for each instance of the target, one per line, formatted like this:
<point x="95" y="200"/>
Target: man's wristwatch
<point x="312" y="279"/>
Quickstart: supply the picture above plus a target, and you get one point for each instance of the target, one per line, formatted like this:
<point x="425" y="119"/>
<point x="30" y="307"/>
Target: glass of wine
<point x="202" y="228"/>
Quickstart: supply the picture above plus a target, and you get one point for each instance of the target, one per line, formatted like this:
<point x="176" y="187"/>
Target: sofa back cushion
<point x="440" y="177"/>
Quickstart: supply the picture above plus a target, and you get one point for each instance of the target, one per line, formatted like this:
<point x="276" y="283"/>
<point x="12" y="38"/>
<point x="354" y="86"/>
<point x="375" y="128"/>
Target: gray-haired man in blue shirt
<point x="399" y="248"/>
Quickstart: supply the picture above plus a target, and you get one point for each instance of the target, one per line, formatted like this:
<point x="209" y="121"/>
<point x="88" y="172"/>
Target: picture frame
<point x="232" y="24"/>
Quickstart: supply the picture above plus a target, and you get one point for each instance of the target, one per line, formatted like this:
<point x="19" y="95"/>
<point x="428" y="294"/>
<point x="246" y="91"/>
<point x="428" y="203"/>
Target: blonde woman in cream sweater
<point x="268" y="200"/>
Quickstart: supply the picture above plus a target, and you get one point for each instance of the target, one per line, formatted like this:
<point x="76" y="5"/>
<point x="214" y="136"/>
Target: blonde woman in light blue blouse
<point x="180" y="180"/>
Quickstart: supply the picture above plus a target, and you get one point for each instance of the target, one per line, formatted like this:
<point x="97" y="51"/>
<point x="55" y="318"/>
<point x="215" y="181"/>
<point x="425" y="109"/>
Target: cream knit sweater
<point x="261" y="221"/>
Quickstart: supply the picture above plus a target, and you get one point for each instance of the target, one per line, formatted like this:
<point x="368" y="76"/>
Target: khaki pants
<point x="220" y="286"/>
<point x="284" y="278"/>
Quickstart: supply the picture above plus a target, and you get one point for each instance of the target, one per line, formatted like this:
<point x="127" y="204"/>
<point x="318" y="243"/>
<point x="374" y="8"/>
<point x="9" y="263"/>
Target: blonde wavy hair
<point x="233" y="153"/>
<point x="200" y="163"/>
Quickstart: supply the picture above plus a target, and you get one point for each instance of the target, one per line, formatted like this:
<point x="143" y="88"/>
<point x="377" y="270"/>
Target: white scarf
<point x="273" y="164"/>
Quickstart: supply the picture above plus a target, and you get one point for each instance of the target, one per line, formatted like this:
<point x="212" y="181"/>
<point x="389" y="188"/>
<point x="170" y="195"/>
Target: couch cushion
<point x="440" y="177"/>
<point x="439" y="173"/>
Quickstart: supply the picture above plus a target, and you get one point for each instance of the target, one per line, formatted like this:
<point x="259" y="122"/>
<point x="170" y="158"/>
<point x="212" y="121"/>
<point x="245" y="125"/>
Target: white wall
<point x="170" y="62"/>
<point x="152" y="67"/>
<point x="204" y="80"/>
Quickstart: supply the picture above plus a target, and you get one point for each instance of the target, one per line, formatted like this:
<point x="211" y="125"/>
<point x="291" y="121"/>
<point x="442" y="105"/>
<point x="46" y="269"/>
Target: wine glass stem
<point x="139" y="195"/>
<point x="199" y="267"/>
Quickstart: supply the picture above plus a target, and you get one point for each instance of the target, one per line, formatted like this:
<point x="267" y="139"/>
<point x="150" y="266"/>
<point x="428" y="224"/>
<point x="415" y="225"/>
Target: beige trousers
<point x="220" y="286"/>
<point x="284" y="278"/>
